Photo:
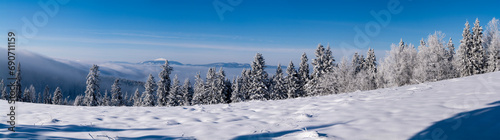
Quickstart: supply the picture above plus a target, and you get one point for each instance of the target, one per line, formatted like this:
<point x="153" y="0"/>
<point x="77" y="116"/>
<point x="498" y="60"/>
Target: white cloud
<point x="275" y="49"/>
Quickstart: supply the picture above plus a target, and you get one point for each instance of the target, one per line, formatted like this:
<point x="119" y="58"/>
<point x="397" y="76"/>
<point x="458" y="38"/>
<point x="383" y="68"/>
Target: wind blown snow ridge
<point x="462" y="108"/>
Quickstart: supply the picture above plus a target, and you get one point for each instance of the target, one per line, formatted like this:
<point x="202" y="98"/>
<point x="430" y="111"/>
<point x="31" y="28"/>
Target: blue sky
<point x="193" y="32"/>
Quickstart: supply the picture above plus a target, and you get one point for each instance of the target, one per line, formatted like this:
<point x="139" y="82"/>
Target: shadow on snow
<point x="480" y="124"/>
<point x="156" y="137"/>
<point x="265" y="136"/>
<point x="37" y="131"/>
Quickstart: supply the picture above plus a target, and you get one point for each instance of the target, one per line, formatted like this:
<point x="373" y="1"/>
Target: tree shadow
<point x="266" y="136"/>
<point x="480" y="124"/>
<point x="156" y="137"/>
<point x="37" y="131"/>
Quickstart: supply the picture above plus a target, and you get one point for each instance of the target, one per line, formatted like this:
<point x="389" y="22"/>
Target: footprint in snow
<point x="130" y="119"/>
<point x="172" y="122"/>
<point x="304" y="116"/>
<point x="55" y="120"/>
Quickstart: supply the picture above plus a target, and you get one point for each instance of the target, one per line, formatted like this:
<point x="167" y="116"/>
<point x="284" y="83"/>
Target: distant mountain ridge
<point x="219" y="64"/>
<point x="161" y="61"/>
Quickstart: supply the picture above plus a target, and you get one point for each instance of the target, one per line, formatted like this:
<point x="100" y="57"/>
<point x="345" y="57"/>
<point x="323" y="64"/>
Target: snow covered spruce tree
<point x="66" y="101"/>
<point x="210" y="87"/>
<point x="5" y="94"/>
<point x="2" y="85"/>
<point x="370" y="65"/>
<point x="105" y="100"/>
<point x="148" y="97"/>
<point x="259" y="82"/>
<point x="278" y="85"/>
<point x="303" y="73"/>
<point x="174" y="97"/>
<point x="78" y="101"/>
<point x="33" y="94"/>
<point x="357" y="63"/>
<point x="492" y="45"/>
<point x="246" y="83"/>
<point x="130" y="98"/>
<point x="46" y="95"/>
<point x="450" y="55"/>
<point x="187" y="92"/>
<point x="241" y="87"/>
<point x="92" y="92"/>
<point x="164" y="84"/>
<point x="228" y="90"/>
<point x="470" y="56"/>
<point x="58" y="97"/>
<point x="199" y="96"/>
<point x="329" y="61"/>
<point x="3" y="91"/>
<point x="116" y="94"/>
<point x="223" y="87"/>
<point x="366" y="82"/>
<point x="17" y="83"/>
<point x="339" y="80"/>
<point x="323" y="63"/>
<point x="358" y="73"/>
<point x="478" y="59"/>
<point x="137" y="100"/>
<point x="318" y="70"/>
<point x="464" y="54"/>
<point x="292" y="81"/>
<point x="127" y="99"/>
<point x="39" y="98"/>
<point x="27" y="95"/>
<point x="216" y="87"/>
<point x="237" y="95"/>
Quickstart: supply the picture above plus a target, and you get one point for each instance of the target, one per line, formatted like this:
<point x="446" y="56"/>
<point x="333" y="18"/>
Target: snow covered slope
<point x="465" y="108"/>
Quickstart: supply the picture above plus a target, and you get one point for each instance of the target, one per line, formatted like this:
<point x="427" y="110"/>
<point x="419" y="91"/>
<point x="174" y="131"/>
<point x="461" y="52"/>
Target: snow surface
<point x="464" y="108"/>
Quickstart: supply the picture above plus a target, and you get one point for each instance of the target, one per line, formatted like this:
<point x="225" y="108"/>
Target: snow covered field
<point x="464" y="108"/>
